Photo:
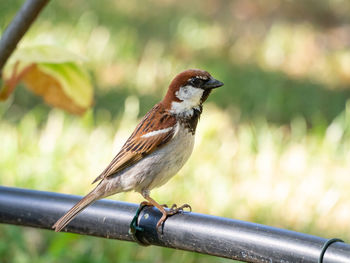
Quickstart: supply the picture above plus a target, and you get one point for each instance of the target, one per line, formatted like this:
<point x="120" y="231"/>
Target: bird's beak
<point x="212" y="84"/>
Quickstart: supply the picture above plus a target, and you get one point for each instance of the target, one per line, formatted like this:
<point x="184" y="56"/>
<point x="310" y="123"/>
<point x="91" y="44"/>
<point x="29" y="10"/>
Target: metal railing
<point x="18" y="27"/>
<point x="223" y="237"/>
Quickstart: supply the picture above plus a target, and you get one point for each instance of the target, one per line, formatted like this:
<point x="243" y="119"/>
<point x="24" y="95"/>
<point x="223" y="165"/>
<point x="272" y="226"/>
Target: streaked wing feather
<point x="137" y="146"/>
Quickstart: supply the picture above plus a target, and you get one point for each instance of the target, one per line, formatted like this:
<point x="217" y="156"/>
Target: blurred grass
<point x="279" y="127"/>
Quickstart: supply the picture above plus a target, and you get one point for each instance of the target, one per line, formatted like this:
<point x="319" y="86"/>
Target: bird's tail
<point x="75" y="210"/>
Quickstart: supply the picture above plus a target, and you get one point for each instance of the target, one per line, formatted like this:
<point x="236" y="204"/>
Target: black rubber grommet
<point x="325" y="246"/>
<point x="135" y="229"/>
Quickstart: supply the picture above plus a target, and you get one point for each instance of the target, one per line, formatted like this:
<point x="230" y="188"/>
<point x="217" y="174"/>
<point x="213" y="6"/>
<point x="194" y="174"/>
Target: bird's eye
<point x="196" y="82"/>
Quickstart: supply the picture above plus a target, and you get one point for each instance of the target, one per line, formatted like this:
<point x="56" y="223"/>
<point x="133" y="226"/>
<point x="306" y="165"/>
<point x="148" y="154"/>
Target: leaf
<point x="55" y="74"/>
<point x="61" y="85"/>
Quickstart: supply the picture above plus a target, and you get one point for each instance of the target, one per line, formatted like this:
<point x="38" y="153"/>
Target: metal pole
<point x="17" y="28"/>
<point x="205" y="234"/>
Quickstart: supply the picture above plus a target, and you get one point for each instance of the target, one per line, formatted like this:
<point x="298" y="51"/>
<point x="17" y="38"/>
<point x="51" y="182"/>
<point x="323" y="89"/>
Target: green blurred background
<point x="272" y="147"/>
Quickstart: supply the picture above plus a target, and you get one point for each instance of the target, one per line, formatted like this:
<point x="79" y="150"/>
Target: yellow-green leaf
<point x="74" y="80"/>
<point x="52" y="73"/>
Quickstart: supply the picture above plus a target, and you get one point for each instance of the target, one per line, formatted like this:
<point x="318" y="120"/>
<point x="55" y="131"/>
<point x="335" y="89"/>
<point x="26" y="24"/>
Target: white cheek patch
<point x="154" y="133"/>
<point x="191" y="98"/>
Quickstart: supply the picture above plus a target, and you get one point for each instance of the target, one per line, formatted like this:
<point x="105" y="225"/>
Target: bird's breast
<point x="158" y="167"/>
<point x="169" y="159"/>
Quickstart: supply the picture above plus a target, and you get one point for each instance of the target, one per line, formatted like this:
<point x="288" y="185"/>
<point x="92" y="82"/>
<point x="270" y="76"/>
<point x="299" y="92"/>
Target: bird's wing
<point x="155" y="129"/>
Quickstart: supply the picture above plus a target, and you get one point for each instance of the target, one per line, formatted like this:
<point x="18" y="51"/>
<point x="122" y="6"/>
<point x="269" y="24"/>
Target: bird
<point x="158" y="147"/>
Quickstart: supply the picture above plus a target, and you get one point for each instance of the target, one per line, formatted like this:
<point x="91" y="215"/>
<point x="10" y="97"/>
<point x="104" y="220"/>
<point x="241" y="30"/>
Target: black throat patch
<point x="191" y="122"/>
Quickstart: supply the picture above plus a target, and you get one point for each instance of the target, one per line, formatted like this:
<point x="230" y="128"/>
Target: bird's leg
<point x="160" y="207"/>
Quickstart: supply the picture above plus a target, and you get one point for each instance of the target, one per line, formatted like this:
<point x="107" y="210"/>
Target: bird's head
<point x="189" y="90"/>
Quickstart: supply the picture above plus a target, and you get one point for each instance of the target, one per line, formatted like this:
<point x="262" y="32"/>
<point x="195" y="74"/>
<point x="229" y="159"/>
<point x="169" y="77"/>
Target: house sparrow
<point x="157" y="149"/>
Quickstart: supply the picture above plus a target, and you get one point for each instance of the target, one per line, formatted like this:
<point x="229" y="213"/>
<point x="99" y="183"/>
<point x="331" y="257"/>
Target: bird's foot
<point x="165" y="212"/>
<point x="172" y="211"/>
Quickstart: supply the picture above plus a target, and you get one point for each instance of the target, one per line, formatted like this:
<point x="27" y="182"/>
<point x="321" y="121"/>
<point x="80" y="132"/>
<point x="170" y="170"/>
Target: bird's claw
<point x="174" y="209"/>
